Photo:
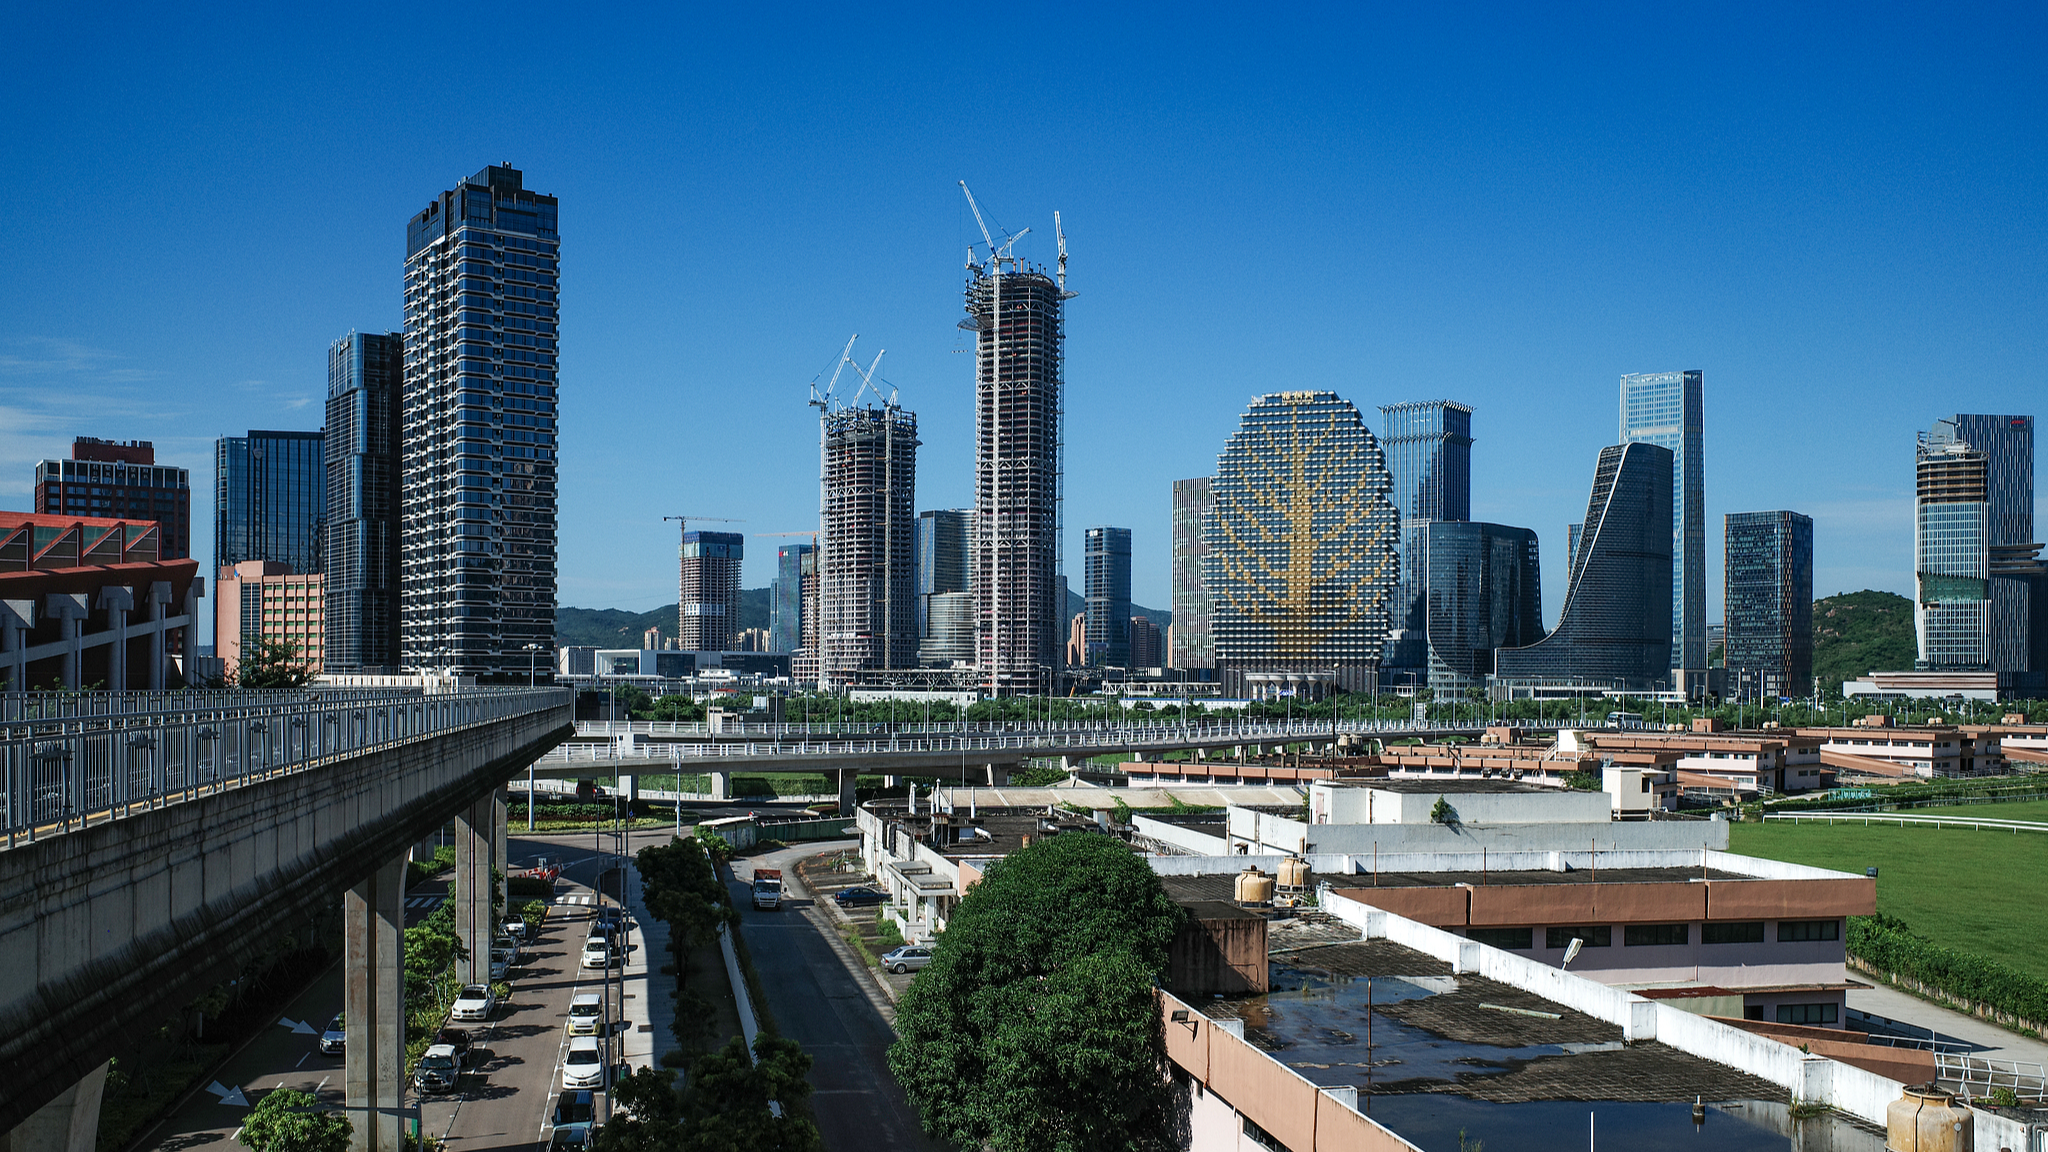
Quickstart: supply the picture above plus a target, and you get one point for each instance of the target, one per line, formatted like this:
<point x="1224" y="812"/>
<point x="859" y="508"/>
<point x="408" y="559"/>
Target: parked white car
<point x="474" y="1003"/>
<point x="583" y="1065"/>
<point x="586" y="1014"/>
<point x="596" y="953"/>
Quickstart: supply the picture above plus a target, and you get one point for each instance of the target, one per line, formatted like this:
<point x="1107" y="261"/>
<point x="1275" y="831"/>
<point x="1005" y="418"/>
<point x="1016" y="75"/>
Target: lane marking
<point x="302" y="1060"/>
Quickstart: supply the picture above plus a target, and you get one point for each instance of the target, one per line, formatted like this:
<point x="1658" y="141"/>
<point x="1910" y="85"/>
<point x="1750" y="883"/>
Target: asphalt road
<point x="818" y="1003"/>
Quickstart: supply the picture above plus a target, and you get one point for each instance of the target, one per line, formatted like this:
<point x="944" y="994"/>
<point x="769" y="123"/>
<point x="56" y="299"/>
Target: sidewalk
<point x="650" y="1004"/>
<point x="1997" y="1043"/>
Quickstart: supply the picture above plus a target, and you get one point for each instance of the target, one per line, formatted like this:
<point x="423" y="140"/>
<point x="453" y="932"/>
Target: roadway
<point x="829" y="1010"/>
<point x="507" y="1096"/>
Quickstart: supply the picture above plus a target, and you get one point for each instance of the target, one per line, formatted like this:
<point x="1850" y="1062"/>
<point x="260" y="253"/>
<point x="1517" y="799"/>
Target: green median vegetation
<point x="1887" y="945"/>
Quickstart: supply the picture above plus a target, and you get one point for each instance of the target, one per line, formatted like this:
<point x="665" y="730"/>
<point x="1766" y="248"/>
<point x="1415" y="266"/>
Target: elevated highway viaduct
<point x="153" y="846"/>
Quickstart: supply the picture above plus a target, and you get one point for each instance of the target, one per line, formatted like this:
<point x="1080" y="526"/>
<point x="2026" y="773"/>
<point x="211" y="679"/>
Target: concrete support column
<point x="997" y="777"/>
<point x="473" y="857"/>
<point x="70" y="611"/>
<point x="373" y="998"/>
<point x="15" y="616"/>
<point x="159" y="601"/>
<point x="118" y="603"/>
<point x="70" y="1123"/>
<point x="629" y="788"/>
<point x="721" y="785"/>
<point x="847" y="778"/>
<point x="501" y="836"/>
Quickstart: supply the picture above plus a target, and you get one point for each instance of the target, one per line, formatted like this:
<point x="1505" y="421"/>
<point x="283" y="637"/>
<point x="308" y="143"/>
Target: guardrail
<point x="25" y="707"/>
<point x="1980" y="1076"/>
<point x="1904" y="819"/>
<point x="1248" y="729"/>
<point x="61" y="774"/>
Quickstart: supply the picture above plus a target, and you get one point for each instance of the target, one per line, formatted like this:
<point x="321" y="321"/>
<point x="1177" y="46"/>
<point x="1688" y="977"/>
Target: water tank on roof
<point x="1293" y="873"/>
<point x="1927" y="1119"/>
<point x="1254" y="887"/>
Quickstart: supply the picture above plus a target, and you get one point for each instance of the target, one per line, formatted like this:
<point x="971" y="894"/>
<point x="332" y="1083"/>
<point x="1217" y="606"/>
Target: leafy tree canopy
<point x="723" y="1109"/>
<point x="271" y="664"/>
<point x="1035" y="1026"/>
<point x="291" y="1121"/>
<point x="683" y="890"/>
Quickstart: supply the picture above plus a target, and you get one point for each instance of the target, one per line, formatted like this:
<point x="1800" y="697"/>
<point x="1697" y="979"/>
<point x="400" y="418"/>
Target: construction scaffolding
<point x="1016" y="312"/>
<point x="867" y="543"/>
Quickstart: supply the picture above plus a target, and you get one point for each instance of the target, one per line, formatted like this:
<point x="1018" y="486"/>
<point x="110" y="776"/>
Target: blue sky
<point x="1836" y="212"/>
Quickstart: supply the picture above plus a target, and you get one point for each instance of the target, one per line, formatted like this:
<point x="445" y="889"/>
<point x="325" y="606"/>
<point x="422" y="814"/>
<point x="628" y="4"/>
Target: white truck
<point x="768" y="888"/>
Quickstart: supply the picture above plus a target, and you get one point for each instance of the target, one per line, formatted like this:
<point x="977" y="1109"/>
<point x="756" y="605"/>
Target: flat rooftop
<point x="1391" y="1021"/>
<point x="1449" y="784"/>
<point x="1222" y="886"/>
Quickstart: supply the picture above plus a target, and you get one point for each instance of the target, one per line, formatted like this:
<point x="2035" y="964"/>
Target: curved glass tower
<point x="1615" y="627"/>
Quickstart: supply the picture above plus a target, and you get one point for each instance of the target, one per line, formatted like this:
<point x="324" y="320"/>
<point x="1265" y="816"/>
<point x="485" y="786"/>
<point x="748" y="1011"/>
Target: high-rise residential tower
<point x="1428" y="444"/>
<point x="1016" y="312"/>
<point x="1767" y="636"/>
<point x="1302" y="545"/>
<point x="867" y="540"/>
<point x="786" y="598"/>
<point x="365" y="377"/>
<point x="1106" y="585"/>
<point x="477" y="518"/>
<point x="270" y="499"/>
<point x="120" y="480"/>
<point x="1668" y="409"/>
<point x="708" y="590"/>
<point x="1614" y="629"/>
<point x="1192" y="645"/>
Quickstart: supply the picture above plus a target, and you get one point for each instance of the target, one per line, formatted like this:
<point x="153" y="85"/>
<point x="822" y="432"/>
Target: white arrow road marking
<point x="228" y="1095"/>
<point x="297" y="1025"/>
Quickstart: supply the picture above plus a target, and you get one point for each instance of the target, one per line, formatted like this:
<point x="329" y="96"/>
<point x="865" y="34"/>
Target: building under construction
<point x="867" y="541"/>
<point x="1015" y="311"/>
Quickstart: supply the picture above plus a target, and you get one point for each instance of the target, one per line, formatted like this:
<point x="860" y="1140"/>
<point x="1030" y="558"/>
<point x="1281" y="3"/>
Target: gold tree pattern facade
<point x="1302" y="542"/>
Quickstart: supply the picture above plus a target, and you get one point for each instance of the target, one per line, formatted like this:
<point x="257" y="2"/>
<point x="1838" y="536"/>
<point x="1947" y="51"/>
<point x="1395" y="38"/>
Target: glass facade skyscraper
<point x="365" y="374"/>
<point x="1106" y="584"/>
<point x="786" y="598"/>
<point x="478" y="513"/>
<point x="1428" y="445"/>
<point x="270" y="499"/>
<point x="1302" y="544"/>
<point x="1768" y="604"/>
<point x="1951" y="552"/>
<point x="1485" y="592"/>
<point x="708" y="591"/>
<point x="945" y="587"/>
<point x="1668" y="409"/>
<point x="1614" y="630"/>
<point x="1193" y="645"/>
<point x="2016" y="616"/>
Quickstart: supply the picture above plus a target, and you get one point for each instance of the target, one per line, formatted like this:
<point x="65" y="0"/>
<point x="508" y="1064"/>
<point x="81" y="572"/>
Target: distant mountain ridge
<point x="1859" y="632"/>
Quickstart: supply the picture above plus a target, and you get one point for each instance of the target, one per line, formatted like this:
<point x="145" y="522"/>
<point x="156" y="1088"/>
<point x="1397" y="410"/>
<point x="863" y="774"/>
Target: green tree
<point x="1035" y="1027"/>
<point x="682" y="890"/>
<point x="291" y="1121"/>
<point x="271" y="664"/>
<point x="675" y="707"/>
<point x="724" y="1108"/>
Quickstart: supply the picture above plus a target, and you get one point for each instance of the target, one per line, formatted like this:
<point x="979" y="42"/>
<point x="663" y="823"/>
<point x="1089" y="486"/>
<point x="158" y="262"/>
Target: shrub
<point x="1886" y="944"/>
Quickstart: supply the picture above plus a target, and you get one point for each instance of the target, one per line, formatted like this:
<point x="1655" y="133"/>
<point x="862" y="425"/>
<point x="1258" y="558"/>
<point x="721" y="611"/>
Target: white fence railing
<point x="1903" y="818"/>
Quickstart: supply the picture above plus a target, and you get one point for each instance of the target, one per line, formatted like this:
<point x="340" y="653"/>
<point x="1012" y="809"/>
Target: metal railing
<point x="1980" y="1076"/>
<point x="1901" y="819"/>
<point x="1250" y="729"/>
<point x="20" y="707"/>
<point x="61" y="773"/>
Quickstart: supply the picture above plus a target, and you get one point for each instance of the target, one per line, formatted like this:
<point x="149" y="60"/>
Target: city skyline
<point x="1851" y="278"/>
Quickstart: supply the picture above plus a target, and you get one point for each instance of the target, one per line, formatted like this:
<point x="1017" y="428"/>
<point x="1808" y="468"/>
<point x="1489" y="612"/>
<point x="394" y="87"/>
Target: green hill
<point x="614" y="628"/>
<point x="1859" y="632"/>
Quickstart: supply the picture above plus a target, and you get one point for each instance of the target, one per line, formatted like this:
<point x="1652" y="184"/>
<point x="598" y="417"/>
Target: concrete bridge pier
<point x="629" y="788"/>
<point x="721" y="785"/>
<point x="373" y="997"/>
<point x="501" y="836"/>
<point x="847" y="778"/>
<point x="474" y="855"/>
<point x="70" y="1123"/>
<point x="998" y="777"/>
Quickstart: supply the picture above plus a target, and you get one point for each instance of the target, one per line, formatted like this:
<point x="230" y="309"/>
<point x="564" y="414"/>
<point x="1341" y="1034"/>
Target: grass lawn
<point x="1973" y="891"/>
<point x="2014" y="810"/>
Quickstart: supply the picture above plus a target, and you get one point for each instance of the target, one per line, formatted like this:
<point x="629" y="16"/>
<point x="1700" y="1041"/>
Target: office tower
<point x="2016" y="617"/>
<point x="119" y="480"/>
<point x="1614" y="630"/>
<point x="867" y="541"/>
<point x="477" y="522"/>
<point x="1485" y="593"/>
<point x="803" y="663"/>
<point x="1077" y="641"/>
<point x="270" y="499"/>
<point x="708" y="590"/>
<point x="1145" y="643"/>
<point x="1668" y="409"/>
<point x="264" y="600"/>
<point x="945" y="552"/>
<point x="1767" y="605"/>
<point x="1106" y="584"/>
<point x="1015" y="312"/>
<point x="1191" y="645"/>
<point x="786" y="598"/>
<point x="1428" y="445"/>
<point x="1951" y="552"/>
<point x="1302" y="561"/>
<point x="359" y="543"/>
